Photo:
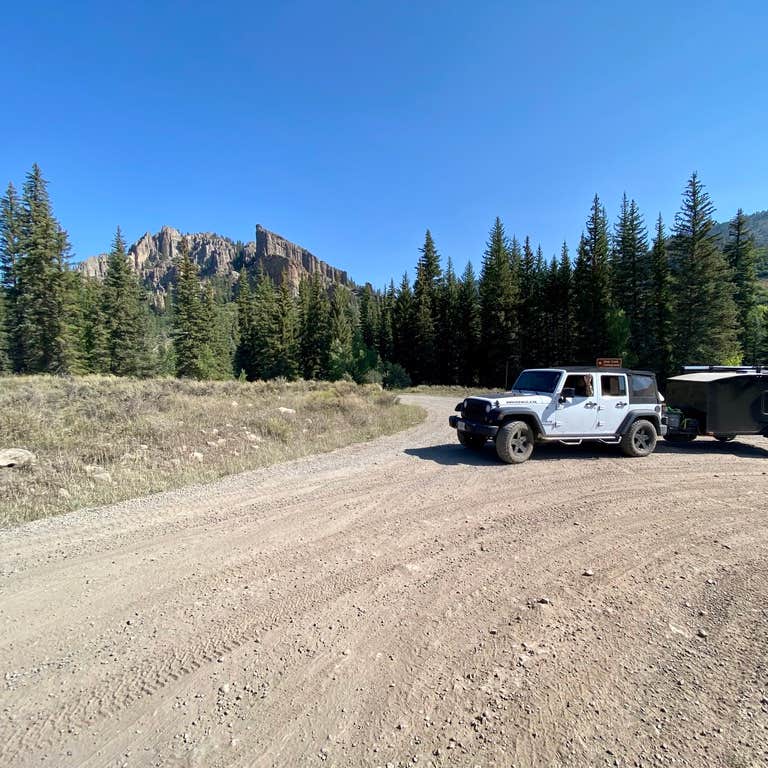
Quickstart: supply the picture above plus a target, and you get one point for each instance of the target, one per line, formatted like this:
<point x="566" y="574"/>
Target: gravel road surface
<point x="401" y="602"/>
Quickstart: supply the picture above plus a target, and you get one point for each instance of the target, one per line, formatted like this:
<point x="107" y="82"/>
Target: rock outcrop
<point x="152" y="257"/>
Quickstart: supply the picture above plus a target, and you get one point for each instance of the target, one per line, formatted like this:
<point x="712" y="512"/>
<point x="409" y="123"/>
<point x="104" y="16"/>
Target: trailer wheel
<point x="514" y="442"/>
<point x="639" y="439"/>
<point x="471" y="441"/>
<point x="725" y="438"/>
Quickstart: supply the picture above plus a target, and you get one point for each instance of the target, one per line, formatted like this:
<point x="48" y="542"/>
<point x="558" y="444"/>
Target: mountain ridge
<point x="152" y="258"/>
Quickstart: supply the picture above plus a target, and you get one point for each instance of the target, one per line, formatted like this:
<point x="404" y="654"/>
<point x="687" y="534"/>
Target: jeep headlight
<point x="464" y="405"/>
<point x="488" y="408"/>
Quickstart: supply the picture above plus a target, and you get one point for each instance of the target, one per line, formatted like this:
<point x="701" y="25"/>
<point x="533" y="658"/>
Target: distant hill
<point x="758" y="226"/>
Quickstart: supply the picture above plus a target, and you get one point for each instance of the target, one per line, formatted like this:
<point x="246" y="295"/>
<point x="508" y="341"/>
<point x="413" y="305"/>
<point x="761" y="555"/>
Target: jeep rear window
<point x="537" y="381"/>
<point x="643" y="386"/>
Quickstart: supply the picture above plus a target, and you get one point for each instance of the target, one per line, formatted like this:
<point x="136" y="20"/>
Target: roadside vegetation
<point x="99" y="439"/>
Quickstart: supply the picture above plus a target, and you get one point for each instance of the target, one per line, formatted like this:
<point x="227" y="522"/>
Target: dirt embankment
<point x="401" y="602"/>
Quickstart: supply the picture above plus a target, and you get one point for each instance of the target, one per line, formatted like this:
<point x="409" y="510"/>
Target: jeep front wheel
<point x="514" y="442"/>
<point x="639" y="439"/>
<point x="471" y="441"/>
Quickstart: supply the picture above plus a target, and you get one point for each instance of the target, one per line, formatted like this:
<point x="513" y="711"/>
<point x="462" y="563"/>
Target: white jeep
<point x="567" y="405"/>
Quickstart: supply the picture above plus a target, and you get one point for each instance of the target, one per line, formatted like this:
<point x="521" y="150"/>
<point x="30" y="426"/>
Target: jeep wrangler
<point x="567" y="405"/>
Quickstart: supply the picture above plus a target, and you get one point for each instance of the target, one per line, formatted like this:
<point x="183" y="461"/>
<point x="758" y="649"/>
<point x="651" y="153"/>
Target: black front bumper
<point x="472" y="427"/>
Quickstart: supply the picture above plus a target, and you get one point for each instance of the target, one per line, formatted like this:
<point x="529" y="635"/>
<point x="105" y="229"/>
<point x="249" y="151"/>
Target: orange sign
<point x="609" y="362"/>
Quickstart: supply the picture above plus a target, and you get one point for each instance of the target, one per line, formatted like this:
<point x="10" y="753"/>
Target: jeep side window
<point x="581" y="384"/>
<point x="613" y="386"/>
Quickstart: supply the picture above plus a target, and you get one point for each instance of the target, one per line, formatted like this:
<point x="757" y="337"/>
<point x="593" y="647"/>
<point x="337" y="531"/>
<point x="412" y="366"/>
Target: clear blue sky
<point x="351" y="127"/>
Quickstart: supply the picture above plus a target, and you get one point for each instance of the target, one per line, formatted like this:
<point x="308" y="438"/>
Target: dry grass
<point x="100" y="440"/>
<point x="446" y="390"/>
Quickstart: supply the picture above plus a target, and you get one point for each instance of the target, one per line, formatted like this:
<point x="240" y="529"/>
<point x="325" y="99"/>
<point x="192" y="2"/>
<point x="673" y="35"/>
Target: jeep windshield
<point x="537" y="381"/>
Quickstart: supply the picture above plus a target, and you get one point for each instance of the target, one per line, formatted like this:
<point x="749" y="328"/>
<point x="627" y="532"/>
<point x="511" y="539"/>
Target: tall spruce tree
<point x="706" y="317"/>
<point x="265" y="342"/>
<point x="188" y="331"/>
<point x="341" y="353"/>
<point x="592" y="290"/>
<point x="315" y="329"/>
<point x="402" y="325"/>
<point x="245" y="355"/>
<point x="630" y="269"/>
<point x="449" y="317"/>
<point x="659" y="353"/>
<point x="40" y="286"/>
<point x="741" y="255"/>
<point x="10" y="243"/>
<point x="467" y="339"/>
<point x="287" y="364"/>
<point x="561" y="300"/>
<point x="425" y="320"/>
<point x="94" y="327"/>
<point x="387" y="324"/>
<point x="499" y="297"/>
<point x="124" y="314"/>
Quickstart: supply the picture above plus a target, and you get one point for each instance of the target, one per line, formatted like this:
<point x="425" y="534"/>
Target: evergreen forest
<point x="659" y="295"/>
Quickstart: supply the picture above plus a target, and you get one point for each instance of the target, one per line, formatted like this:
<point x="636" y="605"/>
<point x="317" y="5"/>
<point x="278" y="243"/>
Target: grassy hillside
<point x="99" y="440"/>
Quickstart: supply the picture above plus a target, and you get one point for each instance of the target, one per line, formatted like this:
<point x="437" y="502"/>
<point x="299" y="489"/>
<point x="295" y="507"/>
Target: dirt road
<point x="404" y="602"/>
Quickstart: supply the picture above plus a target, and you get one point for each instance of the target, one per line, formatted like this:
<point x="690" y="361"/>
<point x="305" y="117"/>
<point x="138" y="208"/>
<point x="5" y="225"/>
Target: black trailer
<point x="717" y="400"/>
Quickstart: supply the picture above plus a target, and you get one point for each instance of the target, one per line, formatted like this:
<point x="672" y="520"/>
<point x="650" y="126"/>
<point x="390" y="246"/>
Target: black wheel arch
<point x="503" y="415"/>
<point x="634" y="416"/>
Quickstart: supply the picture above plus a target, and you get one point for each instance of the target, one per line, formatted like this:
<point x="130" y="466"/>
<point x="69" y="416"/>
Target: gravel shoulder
<point x="404" y="601"/>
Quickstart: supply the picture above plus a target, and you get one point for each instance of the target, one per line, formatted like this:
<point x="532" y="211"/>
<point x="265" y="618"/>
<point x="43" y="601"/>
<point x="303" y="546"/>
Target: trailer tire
<point x="725" y="438"/>
<point x="639" y="439"/>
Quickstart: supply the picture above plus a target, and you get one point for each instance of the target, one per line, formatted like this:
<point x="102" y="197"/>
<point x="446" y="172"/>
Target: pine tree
<point x="630" y="268"/>
<point x="266" y="342"/>
<point x="659" y="353"/>
<point x="40" y="288"/>
<point x="387" y="324"/>
<point x="123" y="311"/>
<point x="467" y="338"/>
<point x="5" y="360"/>
<point x="561" y="300"/>
<point x="741" y="255"/>
<point x="499" y="297"/>
<point x="315" y="330"/>
<point x="705" y="311"/>
<point x="370" y="319"/>
<point x="10" y="239"/>
<point x="340" y="356"/>
<point x="402" y="325"/>
<point x="449" y="318"/>
<point x="593" y="324"/>
<point x="93" y="327"/>
<point x="244" y="360"/>
<point x="188" y="333"/>
<point x="425" y="318"/>
<point x="287" y="364"/>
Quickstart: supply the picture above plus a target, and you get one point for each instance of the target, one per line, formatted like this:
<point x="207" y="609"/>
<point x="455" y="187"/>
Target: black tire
<point x="725" y="438"/>
<point x="475" y="442"/>
<point x="679" y="437"/>
<point x="639" y="439"/>
<point x="514" y="442"/>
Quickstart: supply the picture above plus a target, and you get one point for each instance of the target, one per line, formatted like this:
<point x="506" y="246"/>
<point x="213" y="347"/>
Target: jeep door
<point x="576" y="415"/>
<point x="612" y="402"/>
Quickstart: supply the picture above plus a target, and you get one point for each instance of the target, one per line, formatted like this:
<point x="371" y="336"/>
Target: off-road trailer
<point x="722" y="401"/>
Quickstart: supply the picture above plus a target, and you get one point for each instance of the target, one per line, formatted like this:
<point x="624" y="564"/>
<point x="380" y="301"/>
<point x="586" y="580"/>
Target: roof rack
<point x="726" y="368"/>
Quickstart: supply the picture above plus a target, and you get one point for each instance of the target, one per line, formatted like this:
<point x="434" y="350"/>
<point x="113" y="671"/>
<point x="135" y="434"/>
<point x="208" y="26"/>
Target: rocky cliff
<point x="152" y="256"/>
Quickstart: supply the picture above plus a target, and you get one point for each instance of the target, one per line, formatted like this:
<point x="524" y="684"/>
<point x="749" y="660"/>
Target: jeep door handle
<point x="590" y="404"/>
<point x="621" y="404"/>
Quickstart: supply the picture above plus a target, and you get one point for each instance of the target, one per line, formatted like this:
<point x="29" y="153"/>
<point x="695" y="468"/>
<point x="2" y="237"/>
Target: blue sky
<point x="351" y="127"/>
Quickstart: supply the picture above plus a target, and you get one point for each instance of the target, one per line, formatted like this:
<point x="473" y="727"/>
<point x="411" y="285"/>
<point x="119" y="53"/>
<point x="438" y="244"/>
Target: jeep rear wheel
<point x="725" y="438"/>
<point x="639" y="439"/>
<point x="471" y="441"/>
<point x="514" y="442"/>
